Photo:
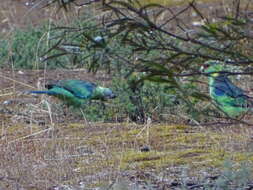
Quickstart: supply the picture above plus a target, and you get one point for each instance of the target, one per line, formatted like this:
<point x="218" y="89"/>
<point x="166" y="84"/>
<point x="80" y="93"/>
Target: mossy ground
<point x="97" y="153"/>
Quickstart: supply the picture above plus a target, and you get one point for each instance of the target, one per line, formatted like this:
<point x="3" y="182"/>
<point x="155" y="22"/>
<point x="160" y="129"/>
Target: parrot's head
<point x="106" y="93"/>
<point x="212" y="67"/>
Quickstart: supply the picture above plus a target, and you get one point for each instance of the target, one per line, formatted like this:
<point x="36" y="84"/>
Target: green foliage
<point x="147" y="100"/>
<point x="3" y="52"/>
<point x="20" y="50"/>
<point x="24" y="48"/>
<point x="91" y="111"/>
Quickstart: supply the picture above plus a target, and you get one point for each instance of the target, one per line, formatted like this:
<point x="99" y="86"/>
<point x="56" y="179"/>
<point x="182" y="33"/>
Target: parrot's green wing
<point x="66" y="96"/>
<point x="79" y="88"/>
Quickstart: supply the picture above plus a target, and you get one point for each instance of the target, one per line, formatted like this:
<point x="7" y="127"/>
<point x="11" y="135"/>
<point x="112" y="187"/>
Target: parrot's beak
<point x="113" y="96"/>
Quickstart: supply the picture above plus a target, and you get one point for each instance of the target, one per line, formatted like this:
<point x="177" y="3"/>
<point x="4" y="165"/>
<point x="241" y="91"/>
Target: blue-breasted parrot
<point x="76" y="92"/>
<point x="231" y="99"/>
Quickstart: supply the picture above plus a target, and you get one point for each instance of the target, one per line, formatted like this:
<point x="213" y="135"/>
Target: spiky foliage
<point x="162" y="45"/>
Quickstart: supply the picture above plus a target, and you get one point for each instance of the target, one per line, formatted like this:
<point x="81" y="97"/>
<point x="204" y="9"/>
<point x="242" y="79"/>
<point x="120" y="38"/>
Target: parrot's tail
<point x="41" y="92"/>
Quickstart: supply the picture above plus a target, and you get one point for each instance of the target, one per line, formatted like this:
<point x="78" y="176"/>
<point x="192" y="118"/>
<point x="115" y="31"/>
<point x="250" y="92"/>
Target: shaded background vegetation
<point x="150" y="56"/>
<point x="154" y="50"/>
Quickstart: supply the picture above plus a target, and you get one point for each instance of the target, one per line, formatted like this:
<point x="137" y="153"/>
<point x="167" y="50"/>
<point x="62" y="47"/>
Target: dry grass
<point x="95" y="154"/>
<point x="41" y="148"/>
<point x="39" y="156"/>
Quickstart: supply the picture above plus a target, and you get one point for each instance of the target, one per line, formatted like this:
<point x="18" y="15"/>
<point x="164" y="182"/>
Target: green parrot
<point x="229" y="98"/>
<point x="76" y="92"/>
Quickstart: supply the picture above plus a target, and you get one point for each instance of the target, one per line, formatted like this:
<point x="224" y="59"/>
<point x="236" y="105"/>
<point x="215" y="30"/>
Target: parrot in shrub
<point x="231" y="99"/>
<point x="76" y="92"/>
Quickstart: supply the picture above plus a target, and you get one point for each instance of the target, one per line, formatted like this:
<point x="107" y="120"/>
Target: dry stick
<point x="147" y="128"/>
<point x="39" y="132"/>
<point x="7" y="94"/>
<point x="13" y="80"/>
<point x="50" y="113"/>
<point x="85" y="119"/>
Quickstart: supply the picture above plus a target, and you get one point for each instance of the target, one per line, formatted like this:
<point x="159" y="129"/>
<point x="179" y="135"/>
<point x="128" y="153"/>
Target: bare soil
<point x="22" y="13"/>
<point x="19" y="16"/>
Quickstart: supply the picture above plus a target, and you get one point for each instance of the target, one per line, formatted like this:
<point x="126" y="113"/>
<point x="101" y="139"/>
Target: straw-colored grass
<point x="66" y="154"/>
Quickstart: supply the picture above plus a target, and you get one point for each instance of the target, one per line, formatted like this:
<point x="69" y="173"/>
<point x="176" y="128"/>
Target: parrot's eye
<point x="205" y="66"/>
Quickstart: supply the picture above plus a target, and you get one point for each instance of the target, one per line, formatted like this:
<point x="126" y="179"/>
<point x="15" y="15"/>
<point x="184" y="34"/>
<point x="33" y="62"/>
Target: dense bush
<point x="164" y="45"/>
<point x="136" y="40"/>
